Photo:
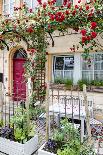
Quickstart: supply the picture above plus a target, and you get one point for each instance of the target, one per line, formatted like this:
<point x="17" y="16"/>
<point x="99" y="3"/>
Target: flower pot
<point x="43" y="152"/>
<point x="15" y="148"/>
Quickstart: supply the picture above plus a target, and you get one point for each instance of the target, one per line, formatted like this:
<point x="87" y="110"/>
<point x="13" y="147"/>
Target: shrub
<point x="81" y="82"/>
<point x="97" y="82"/>
<point x="68" y="83"/>
<point x="59" y="81"/>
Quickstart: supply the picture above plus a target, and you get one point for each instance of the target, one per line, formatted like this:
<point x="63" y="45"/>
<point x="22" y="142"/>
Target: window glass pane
<point x="6" y="9"/>
<point x="58" y="74"/>
<point x="59" y="63"/>
<point x="97" y="66"/>
<point x="98" y="75"/>
<point x="68" y="74"/>
<point x="58" y="2"/>
<point x="28" y="2"/>
<point x="87" y="75"/>
<point x="85" y="66"/>
<point x="98" y="57"/>
<point x="102" y="66"/>
<point x="69" y="63"/>
<point x="34" y="4"/>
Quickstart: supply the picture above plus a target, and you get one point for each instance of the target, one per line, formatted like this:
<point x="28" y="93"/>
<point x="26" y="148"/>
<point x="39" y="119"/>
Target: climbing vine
<point x="33" y="26"/>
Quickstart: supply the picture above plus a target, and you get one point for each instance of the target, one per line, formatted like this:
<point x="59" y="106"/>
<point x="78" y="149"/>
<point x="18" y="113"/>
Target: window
<point x="60" y="2"/>
<point x="31" y="3"/>
<point x="95" y="71"/>
<point x="8" y="7"/>
<point x="63" y="67"/>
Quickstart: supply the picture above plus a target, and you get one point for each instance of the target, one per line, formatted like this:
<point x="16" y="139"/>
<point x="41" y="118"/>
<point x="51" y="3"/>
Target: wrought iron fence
<point x="63" y="105"/>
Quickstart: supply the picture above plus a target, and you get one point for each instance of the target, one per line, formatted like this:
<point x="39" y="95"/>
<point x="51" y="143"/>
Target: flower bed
<point x="15" y="148"/>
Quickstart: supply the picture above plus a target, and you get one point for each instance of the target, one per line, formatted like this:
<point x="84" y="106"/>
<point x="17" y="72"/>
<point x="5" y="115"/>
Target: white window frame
<point x="53" y="65"/>
<point x="9" y="7"/>
<point x="93" y="70"/>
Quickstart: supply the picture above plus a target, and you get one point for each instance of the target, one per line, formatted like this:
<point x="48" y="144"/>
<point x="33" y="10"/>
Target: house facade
<point x="69" y="64"/>
<point x="62" y="61"/>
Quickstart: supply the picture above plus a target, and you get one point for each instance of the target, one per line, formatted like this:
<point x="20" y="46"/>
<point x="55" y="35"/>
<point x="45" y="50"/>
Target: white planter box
<point x="15" y="148"/>
<point x="43" y="152"/>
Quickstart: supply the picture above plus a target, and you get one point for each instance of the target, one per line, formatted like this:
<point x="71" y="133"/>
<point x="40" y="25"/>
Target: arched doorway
<point x="19" y="83"/>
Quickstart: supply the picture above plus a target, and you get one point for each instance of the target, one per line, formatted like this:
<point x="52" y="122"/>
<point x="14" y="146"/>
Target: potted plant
<point x="65" y="141"/>
<point x="18" y="138"/>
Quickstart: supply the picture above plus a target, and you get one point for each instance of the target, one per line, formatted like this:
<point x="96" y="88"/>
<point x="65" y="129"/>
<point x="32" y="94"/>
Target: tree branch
<point x="51" y="39"/>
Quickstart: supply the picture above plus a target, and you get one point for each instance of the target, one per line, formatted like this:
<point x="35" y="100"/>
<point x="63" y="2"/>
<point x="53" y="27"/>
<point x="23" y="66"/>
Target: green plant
<point x="97" y="82"/>
<point x="58" y="136"/>
<point x="22" y="132"/>
<point x="59" y="80"/>
<point x="1" y="123"/>
<point x="81" y="82"/>
<point x="35" y="111"/>
<point x="68" y="83"/>
<point x="67" y="151"/>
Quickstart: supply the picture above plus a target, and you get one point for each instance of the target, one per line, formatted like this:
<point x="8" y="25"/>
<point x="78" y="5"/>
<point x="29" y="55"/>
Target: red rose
<point x="84" y="39"/>
<point x="52" y="17"/>
<point x="79" y="1"/>
<point x="87" y="7"/>
<point x="31" y="50"/>
<point x="66" y="12"/>
<point x="83" y="32"/>
<point x="69" y="5"/>
<point x="65" y="2"/>
<point x="30" y="30"/>
<point x="76" y="7"/>
<point x="93" y="25"/>
<point x="88" y="38"/>
<point x="53" y="2"/>
<point x="90" y="14"/>
<point x="40" y="2"/>
<point x="93" y="34"/>
<point x="44" y="5"/>
<point x="59" y="16"/>
<point x="74" y="12"/>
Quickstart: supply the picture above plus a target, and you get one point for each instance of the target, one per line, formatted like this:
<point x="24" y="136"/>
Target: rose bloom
<point x="87" y="7"/>
<point x="88" y="38"/>
<point x="93" y="25"/>
<point x="84" y="39"/>
<point x="93" y="34"/>
<point x="83" y="32"/>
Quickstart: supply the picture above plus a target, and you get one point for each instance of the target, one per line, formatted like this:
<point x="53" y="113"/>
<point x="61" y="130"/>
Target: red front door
<point x="19" y="84"/>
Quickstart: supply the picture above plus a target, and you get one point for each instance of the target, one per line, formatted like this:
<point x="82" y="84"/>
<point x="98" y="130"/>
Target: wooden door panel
<point x="19" y="84"/>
